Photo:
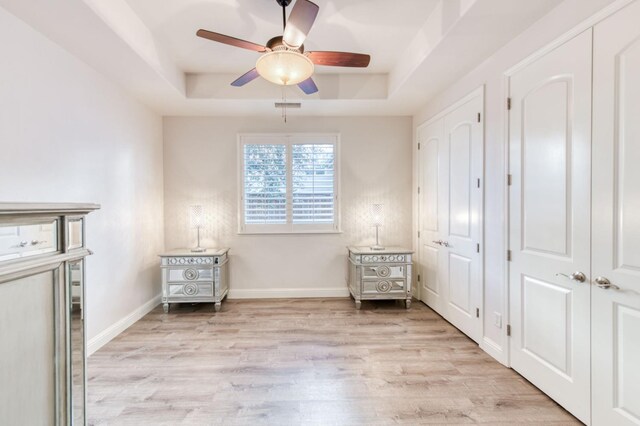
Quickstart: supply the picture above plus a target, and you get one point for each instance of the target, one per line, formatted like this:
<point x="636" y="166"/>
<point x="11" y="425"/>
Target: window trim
<point x="288" y="139"/>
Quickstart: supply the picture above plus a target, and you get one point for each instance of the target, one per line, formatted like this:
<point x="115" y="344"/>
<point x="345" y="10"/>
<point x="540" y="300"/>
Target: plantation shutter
<point x="288" y="183"/>
<point x="313" y="188"/>
<point x="265" y="184"/>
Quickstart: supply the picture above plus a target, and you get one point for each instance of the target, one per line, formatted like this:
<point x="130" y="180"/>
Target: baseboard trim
<point x="286" y="293"/>
<point x="114" y="330"/>
<point x="494" y="349"/>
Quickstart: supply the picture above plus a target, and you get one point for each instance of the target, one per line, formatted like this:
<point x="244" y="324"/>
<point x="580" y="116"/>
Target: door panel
<point x="546" y="202"/>
<point x="549" y="217"/>
<point x="430" y="182"/>
<point x="627" y="371"/>
<point x="627" y="207"/>
<point x="430" y="270"/>
<point x="460" y="139"/>
<point x="460" y="282"/>
<point x="549" y="339"/>
<point x="616" y="219"/>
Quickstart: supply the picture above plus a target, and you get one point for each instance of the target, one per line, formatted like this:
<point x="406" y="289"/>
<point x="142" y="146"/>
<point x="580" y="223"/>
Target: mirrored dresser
<point x="42" y="331"/>
<point x="380" y="274"/>
<point x="193" y="277"/>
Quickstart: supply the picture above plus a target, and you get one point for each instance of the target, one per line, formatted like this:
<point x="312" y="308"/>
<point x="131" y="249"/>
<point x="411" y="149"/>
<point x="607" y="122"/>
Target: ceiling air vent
<point x="288" y="105"/>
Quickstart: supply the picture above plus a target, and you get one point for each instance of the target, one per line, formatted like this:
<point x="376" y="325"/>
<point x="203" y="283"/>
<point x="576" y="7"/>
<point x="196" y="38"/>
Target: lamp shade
<point x="377" y="214"/>
<point x="284" y="67"/>
<point x="196" y="216"/>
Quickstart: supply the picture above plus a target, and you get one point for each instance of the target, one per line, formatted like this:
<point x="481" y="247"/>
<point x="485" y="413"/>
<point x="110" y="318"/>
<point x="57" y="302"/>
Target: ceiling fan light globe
<point x="284" y="67"/>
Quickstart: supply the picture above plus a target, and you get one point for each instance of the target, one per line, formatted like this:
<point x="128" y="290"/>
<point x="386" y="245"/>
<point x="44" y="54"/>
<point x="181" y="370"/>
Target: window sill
<point x="288" y="232"/>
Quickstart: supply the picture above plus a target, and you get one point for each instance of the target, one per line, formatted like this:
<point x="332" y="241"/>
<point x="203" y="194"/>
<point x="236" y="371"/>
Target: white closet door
<point x="460" y="217"/>
<point x="550" y="150"/>
<point x="451" y="162"/>
<point x="616" y="219"/>
<point x="431" y="275"/>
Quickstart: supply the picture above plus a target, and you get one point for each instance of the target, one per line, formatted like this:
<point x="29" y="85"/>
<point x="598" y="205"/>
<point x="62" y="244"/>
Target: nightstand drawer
<point x="189" y="274"/>
<point x="383" y="271"/>
<point x="190" y="261"/>
<point x="187" y="290"/>
<point x="384" y="258"/>
<point x="390" y="286"/>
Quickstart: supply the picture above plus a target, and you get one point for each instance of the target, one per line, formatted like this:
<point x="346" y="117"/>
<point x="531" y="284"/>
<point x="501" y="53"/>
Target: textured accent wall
<point x="201" y="167"/>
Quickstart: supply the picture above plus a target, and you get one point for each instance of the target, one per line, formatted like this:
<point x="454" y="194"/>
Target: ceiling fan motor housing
<point x="277" y="43"/>
<point x="283" y="3"/>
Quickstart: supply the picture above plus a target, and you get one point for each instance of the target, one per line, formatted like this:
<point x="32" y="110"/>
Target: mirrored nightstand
<point x="189" y="277"/>
<point x="380" y="274"/>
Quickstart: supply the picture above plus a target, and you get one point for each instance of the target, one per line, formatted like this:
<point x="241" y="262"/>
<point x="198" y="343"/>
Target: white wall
<point x="490" y="73"/>
<point x="67" y="134"/>
<point x="200" y="167"/>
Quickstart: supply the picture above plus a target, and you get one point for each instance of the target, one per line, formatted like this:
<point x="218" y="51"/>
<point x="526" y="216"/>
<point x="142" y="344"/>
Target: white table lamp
<point x="196" y="219"/>
<point x="377" y="220"/>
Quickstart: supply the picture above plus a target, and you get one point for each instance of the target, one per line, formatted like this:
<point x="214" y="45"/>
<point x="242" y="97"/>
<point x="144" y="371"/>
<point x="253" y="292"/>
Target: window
<point x="289" y="183"/>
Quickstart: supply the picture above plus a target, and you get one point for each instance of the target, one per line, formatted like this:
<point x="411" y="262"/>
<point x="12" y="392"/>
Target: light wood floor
<point x="305" y="362"/>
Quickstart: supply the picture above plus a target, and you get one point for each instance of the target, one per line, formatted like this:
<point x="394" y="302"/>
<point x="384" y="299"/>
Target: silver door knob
<point x="576" y="276"/>
<point x="446" y="244"/>
<point x="605" y="284"/>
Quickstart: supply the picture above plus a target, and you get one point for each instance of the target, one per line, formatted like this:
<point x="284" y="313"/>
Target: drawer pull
<point x="190" y="274"/>
<point x="190" y="289"/>
<point x="383" y="271"/>
<point x="383" y="287"/>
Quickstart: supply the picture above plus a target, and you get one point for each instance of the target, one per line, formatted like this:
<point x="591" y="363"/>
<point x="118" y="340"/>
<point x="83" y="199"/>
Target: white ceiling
<point x="149" y="47"/>
<point x="342" y="25"/>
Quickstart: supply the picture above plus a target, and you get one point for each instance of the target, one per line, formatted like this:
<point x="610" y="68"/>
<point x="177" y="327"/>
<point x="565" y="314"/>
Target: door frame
<point x="590" y="22"/>
<point x="478" y="92"/>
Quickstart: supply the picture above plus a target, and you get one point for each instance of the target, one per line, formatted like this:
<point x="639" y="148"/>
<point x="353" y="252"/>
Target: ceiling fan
<point x="283" y="60"/>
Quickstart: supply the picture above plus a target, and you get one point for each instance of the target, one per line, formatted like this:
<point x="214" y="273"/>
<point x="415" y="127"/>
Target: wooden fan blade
<point x="246" y="78"/>
<point x="299" y="23"/>
<point x="340" y="59"/>
<point x="308" y="86"/>
<point x="232" y="41"/>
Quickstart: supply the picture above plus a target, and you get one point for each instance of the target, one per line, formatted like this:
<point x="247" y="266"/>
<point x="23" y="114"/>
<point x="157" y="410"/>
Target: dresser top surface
<point x="188" y="252"/>
<point x="386" y="250"/>
<point x="46" y="208"/>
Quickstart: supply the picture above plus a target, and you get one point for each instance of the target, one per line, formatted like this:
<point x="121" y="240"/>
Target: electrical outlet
<point x="497" y="319"/>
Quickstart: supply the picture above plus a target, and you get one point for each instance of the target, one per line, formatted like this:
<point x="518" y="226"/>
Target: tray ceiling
<point x="149" y="47"/>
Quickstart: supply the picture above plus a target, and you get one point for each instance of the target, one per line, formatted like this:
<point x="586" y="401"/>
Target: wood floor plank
<point x="305" y="362"/>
